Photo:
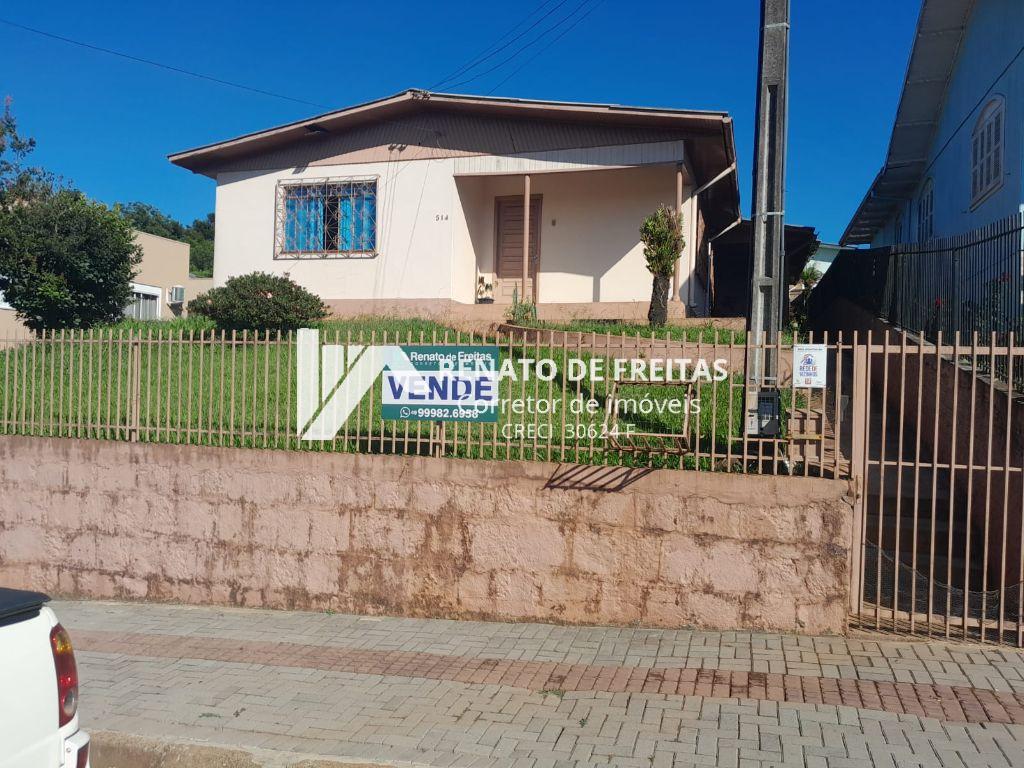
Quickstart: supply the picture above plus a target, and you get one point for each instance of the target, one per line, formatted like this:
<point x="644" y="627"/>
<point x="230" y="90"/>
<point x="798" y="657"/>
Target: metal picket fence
<point x="239" y="389"/>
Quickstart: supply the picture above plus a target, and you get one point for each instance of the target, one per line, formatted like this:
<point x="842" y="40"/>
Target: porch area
<point x="576" y="249"/>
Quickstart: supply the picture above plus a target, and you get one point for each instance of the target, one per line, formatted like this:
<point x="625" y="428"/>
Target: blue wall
<point x="994" y="37"/>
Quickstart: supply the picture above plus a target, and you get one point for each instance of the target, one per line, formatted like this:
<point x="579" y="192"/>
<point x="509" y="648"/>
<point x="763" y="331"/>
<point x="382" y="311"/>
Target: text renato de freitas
<point x="683" y="370"/>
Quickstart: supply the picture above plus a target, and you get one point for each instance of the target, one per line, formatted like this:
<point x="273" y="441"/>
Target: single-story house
<point x="163" y="285"/>
<point x="413" y="204"/>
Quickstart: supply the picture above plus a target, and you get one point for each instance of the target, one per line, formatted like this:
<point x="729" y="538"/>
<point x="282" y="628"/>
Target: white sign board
<point x="810" y="365"/>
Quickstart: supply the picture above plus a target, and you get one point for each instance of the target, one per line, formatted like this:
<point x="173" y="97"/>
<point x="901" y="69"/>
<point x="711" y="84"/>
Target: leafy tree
<point x="259" y="301"/>
<point x="18" y="180"/>
<point x="200" y="237"/>
<point x="65" y="261"/>
<point x="149" y="218"/>
<point x="662" y="236"/>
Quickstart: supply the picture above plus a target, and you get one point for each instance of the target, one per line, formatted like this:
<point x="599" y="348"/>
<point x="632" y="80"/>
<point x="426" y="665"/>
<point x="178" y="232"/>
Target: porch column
<point x="679" y="212"/>
<point x="526" y="239"/>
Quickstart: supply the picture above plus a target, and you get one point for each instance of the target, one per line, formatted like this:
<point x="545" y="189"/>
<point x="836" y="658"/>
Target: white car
<point x="38" y="687"/>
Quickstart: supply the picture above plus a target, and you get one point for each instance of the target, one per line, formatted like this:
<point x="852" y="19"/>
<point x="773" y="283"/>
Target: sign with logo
<point x="810" y="366"/>
<point x="419" y="382"/>
<point x="446" y="383"/>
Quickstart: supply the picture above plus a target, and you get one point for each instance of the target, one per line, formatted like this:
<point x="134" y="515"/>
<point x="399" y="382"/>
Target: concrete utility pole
<point x="768" y="283"/>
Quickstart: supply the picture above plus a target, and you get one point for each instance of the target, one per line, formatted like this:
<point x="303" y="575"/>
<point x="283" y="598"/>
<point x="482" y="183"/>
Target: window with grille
<point x="326" y="218"/>
<point x="926" y="213"/>
<point x="987" y="152"/>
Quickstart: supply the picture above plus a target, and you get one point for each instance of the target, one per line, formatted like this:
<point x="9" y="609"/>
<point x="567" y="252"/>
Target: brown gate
<point x="940" y="457"/>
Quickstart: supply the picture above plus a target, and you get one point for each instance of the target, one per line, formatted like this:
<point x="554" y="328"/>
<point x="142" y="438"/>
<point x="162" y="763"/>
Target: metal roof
<point x="710" y="133"/>
<point x="940" y="32"/>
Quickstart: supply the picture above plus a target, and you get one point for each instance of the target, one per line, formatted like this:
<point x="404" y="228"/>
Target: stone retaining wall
<point x="423" y="537"/>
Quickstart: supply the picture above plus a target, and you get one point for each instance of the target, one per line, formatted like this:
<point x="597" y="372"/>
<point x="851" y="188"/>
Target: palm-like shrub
<point x="662" y="236"/>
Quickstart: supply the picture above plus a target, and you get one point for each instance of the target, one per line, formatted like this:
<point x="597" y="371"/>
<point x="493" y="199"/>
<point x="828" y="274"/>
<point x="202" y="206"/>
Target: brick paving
<point x="439" y="693"/>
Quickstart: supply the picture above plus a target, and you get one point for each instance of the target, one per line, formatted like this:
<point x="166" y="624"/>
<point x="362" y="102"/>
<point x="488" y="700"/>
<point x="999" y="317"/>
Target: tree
<point x="65" y="261"/>
<point x="200" y="237"/>
<point x="17" y="180"/>
<point x="149" y="218"/>
<point x="662" y="236"/>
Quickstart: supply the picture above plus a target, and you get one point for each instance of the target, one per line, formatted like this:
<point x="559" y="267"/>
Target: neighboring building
<point x="411" y="203"/>
<point x="163" y="285"/>
<point x="955" y="157"/>
<point x="823" y="257"/>
<point x="732" y="264"/>
<point x="161" y="288"/>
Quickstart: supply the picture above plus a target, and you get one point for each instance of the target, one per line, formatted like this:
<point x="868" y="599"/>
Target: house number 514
<point x="441" y="217"/>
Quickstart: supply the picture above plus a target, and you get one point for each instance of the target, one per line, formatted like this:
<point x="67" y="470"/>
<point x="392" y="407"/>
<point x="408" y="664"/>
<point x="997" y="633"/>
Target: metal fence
<point x="973" y="282"/>
<point x="967" y="283"/>
<point x="942" y="465"/>
<point x="240" y="390"/>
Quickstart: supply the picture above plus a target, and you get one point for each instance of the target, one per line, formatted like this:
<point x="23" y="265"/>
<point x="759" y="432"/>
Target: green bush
<point x="259" y="301"/>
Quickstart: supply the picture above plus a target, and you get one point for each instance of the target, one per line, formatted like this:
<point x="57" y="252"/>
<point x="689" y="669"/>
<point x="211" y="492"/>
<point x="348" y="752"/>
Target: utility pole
<point x="768" y="289"/>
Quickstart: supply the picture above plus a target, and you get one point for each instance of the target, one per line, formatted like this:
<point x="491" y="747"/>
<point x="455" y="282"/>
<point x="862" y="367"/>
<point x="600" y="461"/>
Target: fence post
<point x="134" y="388"/>
<point x="858" y="469"/>
<point x="955" y="308"/>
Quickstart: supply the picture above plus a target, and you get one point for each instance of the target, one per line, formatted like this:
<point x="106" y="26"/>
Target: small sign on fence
<point x="810" y="366"/>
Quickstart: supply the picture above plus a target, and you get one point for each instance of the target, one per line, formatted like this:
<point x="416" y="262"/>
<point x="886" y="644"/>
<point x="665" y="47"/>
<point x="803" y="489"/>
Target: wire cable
<point x="541" y="51"/>
<point x="481" y="57"/>
<point x="159" y="65"/>
<point x="523" y="48"/>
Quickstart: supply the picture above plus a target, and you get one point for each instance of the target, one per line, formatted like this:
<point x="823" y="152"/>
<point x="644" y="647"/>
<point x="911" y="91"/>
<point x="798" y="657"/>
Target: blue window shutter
<point x="370" y="220"/>
<point x="345" y="221"/>
<point x="304" y="224"/>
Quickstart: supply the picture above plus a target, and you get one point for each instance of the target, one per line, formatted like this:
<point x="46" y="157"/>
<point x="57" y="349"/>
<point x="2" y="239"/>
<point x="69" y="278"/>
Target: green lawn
<point x="139" y="381"/>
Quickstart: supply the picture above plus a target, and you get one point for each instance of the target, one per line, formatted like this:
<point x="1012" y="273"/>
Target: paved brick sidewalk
<point x="445" y="693"/>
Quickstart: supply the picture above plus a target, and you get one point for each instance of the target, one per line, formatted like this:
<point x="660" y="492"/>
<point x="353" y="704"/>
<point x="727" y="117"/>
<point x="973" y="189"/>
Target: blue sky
<point x="107" y="124"/>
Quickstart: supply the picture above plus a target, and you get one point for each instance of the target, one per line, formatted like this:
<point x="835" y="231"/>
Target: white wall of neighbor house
<point x="414" y="219"/>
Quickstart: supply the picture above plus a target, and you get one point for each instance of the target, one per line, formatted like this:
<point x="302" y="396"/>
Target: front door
<point x="509" y="247"/>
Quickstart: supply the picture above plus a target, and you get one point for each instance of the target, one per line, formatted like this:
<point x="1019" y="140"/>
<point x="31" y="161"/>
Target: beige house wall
<point x="436" y="228"/>
<point x="10" y="325"/>
<point x="164" y="264"/>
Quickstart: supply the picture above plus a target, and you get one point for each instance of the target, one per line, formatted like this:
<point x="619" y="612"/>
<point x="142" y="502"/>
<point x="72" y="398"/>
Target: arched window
<point x="987" y="151"/>
<point x="926" y="212"/>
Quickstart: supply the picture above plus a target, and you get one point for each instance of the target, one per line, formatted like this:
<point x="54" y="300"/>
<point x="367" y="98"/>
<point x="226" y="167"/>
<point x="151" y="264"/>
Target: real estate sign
<point x="418" y="382"/>
<point x="445" y="383"/>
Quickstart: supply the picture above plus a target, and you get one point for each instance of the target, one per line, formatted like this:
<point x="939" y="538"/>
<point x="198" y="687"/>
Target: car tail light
<point x="83" y="757"/>
<point x="67" y="674"/>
